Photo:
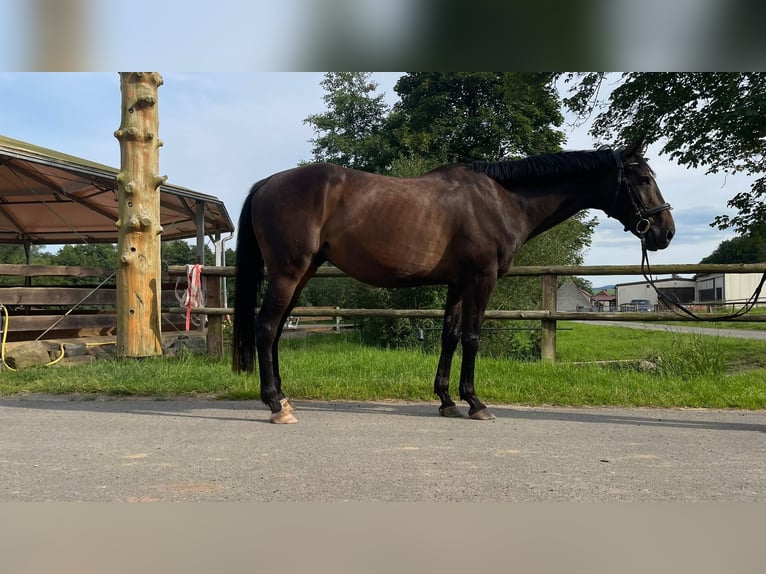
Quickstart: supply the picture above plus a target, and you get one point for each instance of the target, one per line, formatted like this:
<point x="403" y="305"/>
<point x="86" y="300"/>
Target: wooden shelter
<point x="48" y="197"/>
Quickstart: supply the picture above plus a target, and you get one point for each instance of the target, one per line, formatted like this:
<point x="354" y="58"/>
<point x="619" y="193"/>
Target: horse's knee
<point x="450" y="340"/>
<point x="264" y="331"/>
<point x="470" y="342"/>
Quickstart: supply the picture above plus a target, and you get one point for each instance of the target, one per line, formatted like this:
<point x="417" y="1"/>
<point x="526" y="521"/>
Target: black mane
<point x="547" y="166"/>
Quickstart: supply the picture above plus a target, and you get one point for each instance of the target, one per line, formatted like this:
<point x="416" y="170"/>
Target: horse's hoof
<point x="283" y="417"/>
<point x="451" y="411"/>
<point x="483" y="415"/>
<point x="287" y="405"/>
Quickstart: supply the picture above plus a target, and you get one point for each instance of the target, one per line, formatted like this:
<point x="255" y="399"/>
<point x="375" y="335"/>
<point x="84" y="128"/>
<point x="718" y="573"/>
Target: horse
<point x="460" y="225"/>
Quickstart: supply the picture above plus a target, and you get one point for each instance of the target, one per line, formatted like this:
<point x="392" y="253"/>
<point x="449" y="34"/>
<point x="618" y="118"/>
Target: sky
<point x="224" y="131"/>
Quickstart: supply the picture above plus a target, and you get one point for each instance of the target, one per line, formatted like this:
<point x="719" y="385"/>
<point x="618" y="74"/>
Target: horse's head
<point x="638" y="203"/>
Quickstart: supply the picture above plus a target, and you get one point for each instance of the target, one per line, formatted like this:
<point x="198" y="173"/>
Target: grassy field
<point x="684" y="371"/>
<point x="730" y="324"/>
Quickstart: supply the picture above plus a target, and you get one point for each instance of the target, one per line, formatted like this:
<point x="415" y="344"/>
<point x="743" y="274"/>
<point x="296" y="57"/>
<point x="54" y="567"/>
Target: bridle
<point x="643" y="225"/>
<point x="643" y="213"/>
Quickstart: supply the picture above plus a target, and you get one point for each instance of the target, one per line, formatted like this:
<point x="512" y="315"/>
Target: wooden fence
<point x="37" y="305"/>
<point x="100" y="317"/>
<point x="547" y="315"/>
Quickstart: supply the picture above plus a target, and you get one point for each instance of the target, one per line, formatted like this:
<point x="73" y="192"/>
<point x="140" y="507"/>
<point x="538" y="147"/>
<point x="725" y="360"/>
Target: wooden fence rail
<point x="548" y="316"/>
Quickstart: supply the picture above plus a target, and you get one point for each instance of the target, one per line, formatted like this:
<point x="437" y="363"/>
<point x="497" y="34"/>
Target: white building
<point x="727" y="287"/>
<point x="718" y="288"/>
<point x="676" y="287"/>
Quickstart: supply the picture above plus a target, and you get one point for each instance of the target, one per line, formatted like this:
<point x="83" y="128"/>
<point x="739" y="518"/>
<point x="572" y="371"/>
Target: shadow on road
<point x="254" y="411"/>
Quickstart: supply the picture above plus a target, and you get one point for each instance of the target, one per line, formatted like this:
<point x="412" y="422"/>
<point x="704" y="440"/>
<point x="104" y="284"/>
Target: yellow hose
<point x="53" y="362"/>
<point x="2" y="343"/>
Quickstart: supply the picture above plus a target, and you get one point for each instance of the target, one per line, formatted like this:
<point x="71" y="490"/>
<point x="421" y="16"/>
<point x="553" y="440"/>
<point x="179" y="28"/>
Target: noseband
<point x="642" y="212"/>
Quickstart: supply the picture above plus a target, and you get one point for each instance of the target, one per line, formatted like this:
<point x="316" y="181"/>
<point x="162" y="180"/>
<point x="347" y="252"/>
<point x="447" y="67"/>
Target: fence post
<point x="548" y="342"/>
<point x="214" y="322"/>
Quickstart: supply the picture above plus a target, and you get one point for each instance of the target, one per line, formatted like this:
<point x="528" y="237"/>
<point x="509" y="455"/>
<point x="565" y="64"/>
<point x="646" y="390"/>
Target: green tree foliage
<point x="749" y="248"/>
<point x="713" y="120"/>
<point x="14" y="255"/>
<point x="100" y="255"/>
<point x="350" y="132"/>
<point x="462" y="116"/>
<point x="97" y="255"/>
<point x="180" y="252"/>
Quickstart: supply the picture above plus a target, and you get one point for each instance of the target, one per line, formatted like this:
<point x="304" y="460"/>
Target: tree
<point x="750" y="248"/>
<point x="349" y="132"/>
<point x="14" y="254"/>
<point x="462" y="116"/>
<point x="100" y="255"/>
<point x="179" y="252"/>
<point x="715" y="120"/>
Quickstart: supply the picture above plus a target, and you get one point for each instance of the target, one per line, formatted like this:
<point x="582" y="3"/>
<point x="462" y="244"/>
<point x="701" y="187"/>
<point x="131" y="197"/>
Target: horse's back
<point x="382" y="230"/>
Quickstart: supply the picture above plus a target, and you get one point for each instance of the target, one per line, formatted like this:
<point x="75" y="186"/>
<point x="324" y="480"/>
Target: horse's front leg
<point x="449" y="341"/>
<point x="475" y="300"/>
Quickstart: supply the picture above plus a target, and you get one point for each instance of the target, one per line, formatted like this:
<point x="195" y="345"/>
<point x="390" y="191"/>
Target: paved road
<point x="58" y="449"/>
<point x="714" y="331"/>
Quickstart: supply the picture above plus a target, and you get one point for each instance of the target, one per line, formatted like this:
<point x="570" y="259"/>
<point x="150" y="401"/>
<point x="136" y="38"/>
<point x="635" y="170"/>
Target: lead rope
<point x="193" y="297"/>
<point x="679" y="309"/>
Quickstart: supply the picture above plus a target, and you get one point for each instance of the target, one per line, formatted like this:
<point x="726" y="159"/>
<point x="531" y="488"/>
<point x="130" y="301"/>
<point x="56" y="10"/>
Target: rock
<point x="185" y="343"/>
<point x="31" y="353"/>
<point x="645" y="365"/>
<point x="75" y="349"/>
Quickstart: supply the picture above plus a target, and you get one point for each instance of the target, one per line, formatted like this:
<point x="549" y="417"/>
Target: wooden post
<point x="214" y="334"/>
<point x="138" y="249"/>
<point x="548" y="342"/>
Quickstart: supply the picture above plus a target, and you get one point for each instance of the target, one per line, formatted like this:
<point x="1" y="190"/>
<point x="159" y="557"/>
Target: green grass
<point x="691" y="371"/>
<point x="747" y="325"/>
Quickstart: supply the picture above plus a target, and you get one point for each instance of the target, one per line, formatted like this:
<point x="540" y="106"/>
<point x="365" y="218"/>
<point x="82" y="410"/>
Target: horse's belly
<point x="389" y="263"/>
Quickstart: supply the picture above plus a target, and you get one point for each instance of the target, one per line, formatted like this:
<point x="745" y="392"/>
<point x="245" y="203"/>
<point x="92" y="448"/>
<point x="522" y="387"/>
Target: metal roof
<point x="48" y="197"/>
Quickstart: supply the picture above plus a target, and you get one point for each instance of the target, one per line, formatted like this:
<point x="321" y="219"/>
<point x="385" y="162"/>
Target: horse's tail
<point x="247" y="284"/>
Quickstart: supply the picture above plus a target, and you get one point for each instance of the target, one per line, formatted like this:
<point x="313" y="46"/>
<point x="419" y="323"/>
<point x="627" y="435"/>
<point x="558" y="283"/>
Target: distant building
<point x="604" y="301"/>
<point x="706" y="290"/>
<point x="570" y="297"/>
<point x="677" y="288"/>
<point x="727" y="287"/>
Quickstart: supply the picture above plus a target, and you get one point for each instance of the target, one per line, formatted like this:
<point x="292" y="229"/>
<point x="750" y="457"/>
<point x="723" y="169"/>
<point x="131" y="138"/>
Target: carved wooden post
<point x="138" y="249"/>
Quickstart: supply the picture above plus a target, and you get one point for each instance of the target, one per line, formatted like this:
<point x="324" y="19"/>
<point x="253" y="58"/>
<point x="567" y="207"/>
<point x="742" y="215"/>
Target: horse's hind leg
<point x="475" y="299"/>
<point x="450" y="339"/>
<point x="286" y="403"/>
<point x="276" y="303"/>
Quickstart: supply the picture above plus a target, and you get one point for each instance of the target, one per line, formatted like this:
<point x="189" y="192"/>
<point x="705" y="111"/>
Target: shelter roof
<point x="48" y="197"/>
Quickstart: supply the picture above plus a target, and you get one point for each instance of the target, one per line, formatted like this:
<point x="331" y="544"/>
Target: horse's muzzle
<point x="657" y="238"/>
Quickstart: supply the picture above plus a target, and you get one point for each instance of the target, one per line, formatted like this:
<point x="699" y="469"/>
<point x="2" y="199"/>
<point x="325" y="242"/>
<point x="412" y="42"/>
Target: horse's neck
<point x="548" y="209"/>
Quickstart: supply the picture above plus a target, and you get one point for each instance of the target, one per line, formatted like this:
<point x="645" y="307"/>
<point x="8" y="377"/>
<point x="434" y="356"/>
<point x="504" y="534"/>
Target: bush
<point x="692" y="356"/>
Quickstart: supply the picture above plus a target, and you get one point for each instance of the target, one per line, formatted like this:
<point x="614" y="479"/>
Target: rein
<point x="642" y="227"/>
<point x="679" y="309"/>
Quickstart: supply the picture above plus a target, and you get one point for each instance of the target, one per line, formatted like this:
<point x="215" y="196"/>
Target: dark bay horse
<point x="460" y="225"/>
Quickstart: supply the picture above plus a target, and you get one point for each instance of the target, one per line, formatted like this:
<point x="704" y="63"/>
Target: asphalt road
<point x="692" y="328"/>
<point x="59" y="449"/>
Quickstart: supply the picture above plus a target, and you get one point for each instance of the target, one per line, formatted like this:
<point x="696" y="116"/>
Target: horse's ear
<point x="637" y="147"/>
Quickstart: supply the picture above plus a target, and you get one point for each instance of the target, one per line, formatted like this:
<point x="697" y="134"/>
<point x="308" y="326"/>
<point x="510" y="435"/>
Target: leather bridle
<point x="643" y="213"/>
<point x="643" y="225"/>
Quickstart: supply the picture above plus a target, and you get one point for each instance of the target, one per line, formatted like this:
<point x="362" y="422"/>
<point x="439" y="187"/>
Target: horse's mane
<point x="547" y="166"/>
